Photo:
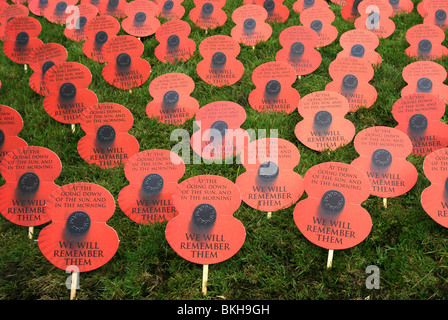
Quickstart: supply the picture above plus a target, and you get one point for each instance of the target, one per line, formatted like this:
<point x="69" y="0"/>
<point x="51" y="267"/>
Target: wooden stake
<point x="30" y="232"/>
<point x="299" y="77"/>
<point x="269" y="215"/>
<point x="73" y="127"/>
<point x="74" y="285"/>
<point x="385" y="202"/>
<point x="204" y="279"/>
<point x="330" y="259"/>
<point x="25" y="67"/>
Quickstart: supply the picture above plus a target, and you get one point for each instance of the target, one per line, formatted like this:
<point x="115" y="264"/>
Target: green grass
<point x="276" y="260"/>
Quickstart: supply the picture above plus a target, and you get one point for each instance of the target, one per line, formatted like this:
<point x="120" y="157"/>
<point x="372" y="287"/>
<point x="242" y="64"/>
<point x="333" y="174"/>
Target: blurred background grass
<point x="276" y="261"/>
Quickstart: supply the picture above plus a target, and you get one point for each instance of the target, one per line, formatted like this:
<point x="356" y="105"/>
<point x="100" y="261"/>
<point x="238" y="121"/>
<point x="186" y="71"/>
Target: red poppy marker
<point x="301" y="5"/>
<point x="437" y="16"/>
<point x="361" y="44"/>
<point x="75" y="30"/>
<point x="418" y="115"/>
<point x="125" y="69"/>
<point x="58" y="11"/>
<point x="425" y="6"/>
<point x="425" y="76"/>
<point x="78" y="238"/>
<point x="7" y="13"/>
<point x="205" y="231"/>
<point x="68" y="95"/>
<point x="171" y="9"/>
<point x="274" y="91"/>
<point x="11" y="123"/>
<point x="382" y="156"/>
<point x="42" y="58"/>
<point x="220" y="66"/>
<point x="37" y="7"/>
<point x="350" y="11"/>
<point x="434" y="199"/>
<point x="22" y="38"/>
<point x="298" y="50"/>
<point x="251" y="27"/>
<point x="401" y="6"/>
<point x="319" y="19"/>
<point x="332" y="216"/>
<point x="425" y="42"/>
<point x="270" y="183"/>
<point x="351" y="77"/>
<point x="277" y="11"/>
<point x="172" y="102"/>
<point x="98" y="30"/>
<point x="153" y="177"/>
<point x="323" y="126"/>
<point x="29" y="173"/>
<point x="208" y="14"/>
<point x="219" y="135"/>
<point x="141" y="18"/>
<point x="174" y="44"/>
<point x="375" y="17"/>
<point x="114" y="8"/>
<point x="107" y="142"/>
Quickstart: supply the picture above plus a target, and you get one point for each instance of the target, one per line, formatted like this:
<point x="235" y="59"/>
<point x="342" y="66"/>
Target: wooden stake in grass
<point x="30" y="232"/>
<point x="204" y="279"/>
<point x="73" y="127"/>
<point x="25" y="67"/>
<point x="385" y="202"/>
<point x="74" y="285"/>
<point x="269" y="215"/>
<point x="330" y="258"/>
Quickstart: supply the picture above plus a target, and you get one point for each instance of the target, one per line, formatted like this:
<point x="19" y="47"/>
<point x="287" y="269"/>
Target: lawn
<point x="276" y="261"/>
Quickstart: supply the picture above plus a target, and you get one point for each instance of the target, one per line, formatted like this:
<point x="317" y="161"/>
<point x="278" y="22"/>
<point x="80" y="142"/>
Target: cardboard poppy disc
<point x="114" y="8"/>
<point x="107" y="143"/>
<point x="205" y="231"/>
<point x="21" y="34"/>
<point x="8" y="12"/>
<point x="273" y="92"/>
<point x="323" y="126"/>
<point x="153" y="177"/>
<point x="425" y="76"/>
<point x="383" y="152"/>
<point x="301" y="5"/>
<point x="319" y="19"/>
<point x="375" y="17"/>
<point x="351" y="78"/>
<point x="11" y="123"/>
<point x="360" y="43"/>
<point x="37" y="7"/>
<point x="401" y="6"/>
<point x="174" y="44"/>
<point x="251" y="27"/>
<point x="425" y="42"/>
<point x="277" y="11"/>
<point x="125" y="69"/>
<point x="332" y="217"/>
<point x="141" y="18"/>
<point x="78" y="235"/>
<point x="29" y="172"/>
<point x="98" y="31"/>
<point x="219" y="135"/>
<point x="75" y="29"/>
<point x="42" y="59"/>
<point x="298" y="50"/>
<point x="208" y="14"/>
<point x="172" y="101"/>
<point x="220" y="66"/>
<point x="171" y="9"/>
<point x="269" y="183"/>
<point x="434" y="199"/>
<point x="437" y="16"/>
<point x="418" y="115"/>
<point x="58" y="11"/>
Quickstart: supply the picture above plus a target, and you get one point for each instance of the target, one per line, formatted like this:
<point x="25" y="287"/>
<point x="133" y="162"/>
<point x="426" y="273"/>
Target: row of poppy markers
<point x="186" y="243"/>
